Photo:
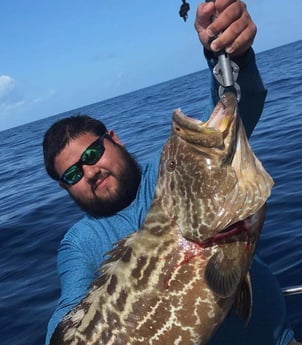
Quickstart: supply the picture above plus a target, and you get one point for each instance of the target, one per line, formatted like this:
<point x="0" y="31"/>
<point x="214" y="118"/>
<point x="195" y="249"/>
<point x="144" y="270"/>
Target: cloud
<point x="11" y="101"/>
<point x="10" y="92"/>
<point x="18" y="107"/>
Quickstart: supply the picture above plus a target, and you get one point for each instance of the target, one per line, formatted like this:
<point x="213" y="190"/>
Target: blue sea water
<point x="35" y="213"/>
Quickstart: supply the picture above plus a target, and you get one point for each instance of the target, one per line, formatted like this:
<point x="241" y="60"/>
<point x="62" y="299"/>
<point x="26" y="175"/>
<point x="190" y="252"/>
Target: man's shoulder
<point x="89" y="237"/>
<point x="84" y="229"/>
<point x="89" y="231"/>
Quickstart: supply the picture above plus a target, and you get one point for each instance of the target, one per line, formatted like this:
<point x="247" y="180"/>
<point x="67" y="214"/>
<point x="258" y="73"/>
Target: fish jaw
<point x="217" y="133"/>
<point x="224" y="181"/>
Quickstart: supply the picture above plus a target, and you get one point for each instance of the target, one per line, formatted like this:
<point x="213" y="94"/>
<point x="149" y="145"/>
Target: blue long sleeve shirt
<point x="82" y="249"/>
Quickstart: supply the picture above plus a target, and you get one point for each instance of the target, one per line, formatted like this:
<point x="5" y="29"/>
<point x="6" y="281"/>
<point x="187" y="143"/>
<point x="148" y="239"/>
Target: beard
<point x="128" y="183"/>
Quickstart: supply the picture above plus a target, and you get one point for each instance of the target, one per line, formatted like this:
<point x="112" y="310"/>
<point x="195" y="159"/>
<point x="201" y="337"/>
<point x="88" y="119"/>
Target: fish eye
<point x="171" y="165"/>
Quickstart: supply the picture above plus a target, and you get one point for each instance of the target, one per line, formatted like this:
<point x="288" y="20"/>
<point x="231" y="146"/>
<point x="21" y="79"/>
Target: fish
<point x="176" y="279"/>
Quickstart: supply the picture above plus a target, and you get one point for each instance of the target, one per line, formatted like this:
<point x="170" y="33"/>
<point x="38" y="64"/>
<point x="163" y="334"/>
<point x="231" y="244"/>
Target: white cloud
<point x="10" y="92"/>
<point x="17" y="108"/>
<point x="11" y="100"/>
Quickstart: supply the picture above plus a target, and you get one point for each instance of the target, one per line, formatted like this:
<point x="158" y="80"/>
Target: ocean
<point x="35" y="212"/>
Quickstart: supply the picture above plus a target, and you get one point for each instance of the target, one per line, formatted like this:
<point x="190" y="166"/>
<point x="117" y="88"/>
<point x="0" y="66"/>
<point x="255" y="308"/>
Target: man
<point x="92" y="165"/>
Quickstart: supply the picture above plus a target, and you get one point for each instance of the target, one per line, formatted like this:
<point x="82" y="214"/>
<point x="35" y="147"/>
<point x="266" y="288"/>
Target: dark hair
<point x="60" y="134"/>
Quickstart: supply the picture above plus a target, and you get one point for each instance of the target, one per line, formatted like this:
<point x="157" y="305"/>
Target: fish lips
<point x="214" y="133"/>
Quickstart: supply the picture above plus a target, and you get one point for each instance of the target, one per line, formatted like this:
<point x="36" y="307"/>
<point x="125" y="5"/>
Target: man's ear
<point x="115" y="138"/>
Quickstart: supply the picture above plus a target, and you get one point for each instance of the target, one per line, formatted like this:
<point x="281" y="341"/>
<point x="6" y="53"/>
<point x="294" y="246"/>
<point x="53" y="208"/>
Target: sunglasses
<point x="90" y="156"/>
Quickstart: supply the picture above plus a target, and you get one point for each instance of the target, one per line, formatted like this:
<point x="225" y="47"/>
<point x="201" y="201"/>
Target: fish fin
<point x="222" y="276"/>
<point x="244" y="300"/>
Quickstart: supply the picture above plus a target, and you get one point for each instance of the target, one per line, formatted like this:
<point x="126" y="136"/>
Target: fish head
<point x="209" y="177"/>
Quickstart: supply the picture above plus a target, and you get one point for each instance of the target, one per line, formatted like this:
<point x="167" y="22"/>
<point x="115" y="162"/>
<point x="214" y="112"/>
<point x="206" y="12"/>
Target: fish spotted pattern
<point x="175" y="280"/>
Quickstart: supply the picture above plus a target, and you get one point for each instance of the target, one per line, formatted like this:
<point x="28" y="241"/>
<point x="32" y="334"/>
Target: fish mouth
<point x="213" y="132"/>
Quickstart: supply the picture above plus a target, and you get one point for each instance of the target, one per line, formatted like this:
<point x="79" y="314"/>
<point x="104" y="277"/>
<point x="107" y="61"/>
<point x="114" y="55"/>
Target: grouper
<point x="176" y="279"/>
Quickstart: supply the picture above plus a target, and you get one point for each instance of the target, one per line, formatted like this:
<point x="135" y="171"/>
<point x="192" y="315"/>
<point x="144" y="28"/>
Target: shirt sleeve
<point x="76" y="270"/>
<point x="253" y="90"/>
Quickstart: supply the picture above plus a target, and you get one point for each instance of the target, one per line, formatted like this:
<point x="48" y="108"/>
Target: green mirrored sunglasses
<point x="90" y="156"/>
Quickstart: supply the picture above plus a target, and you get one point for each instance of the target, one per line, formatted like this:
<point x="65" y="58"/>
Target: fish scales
<point x="175" y="279"/>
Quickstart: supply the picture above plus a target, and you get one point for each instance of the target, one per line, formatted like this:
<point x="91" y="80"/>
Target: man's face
<point x="107" y="186"/>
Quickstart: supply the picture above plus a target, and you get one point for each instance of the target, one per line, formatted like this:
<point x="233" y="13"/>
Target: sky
<point x="58" y="55"/>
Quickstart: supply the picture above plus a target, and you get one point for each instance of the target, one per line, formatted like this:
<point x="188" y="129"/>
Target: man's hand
<point x="232" y="20"/>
